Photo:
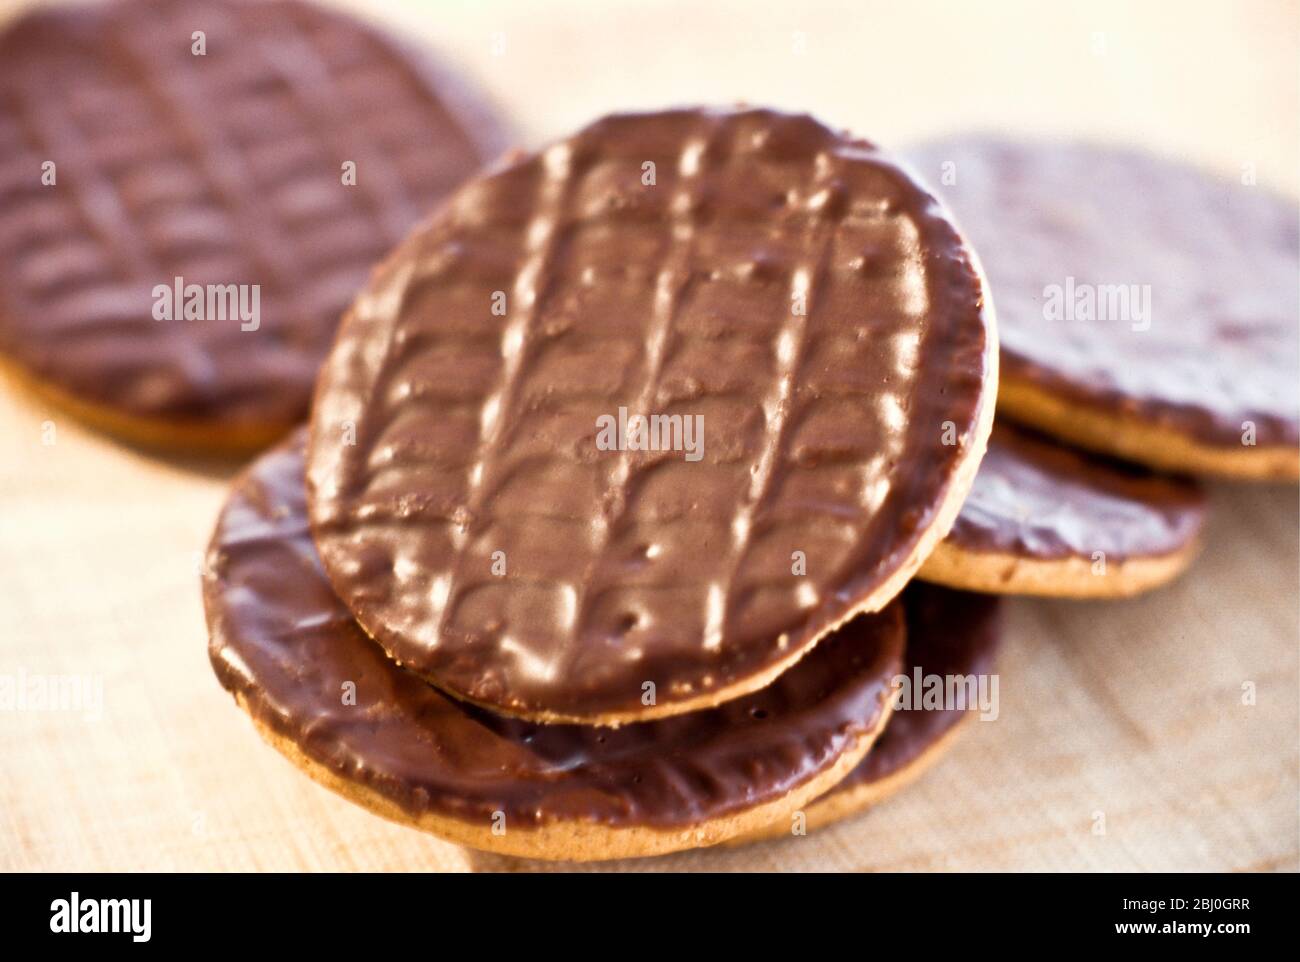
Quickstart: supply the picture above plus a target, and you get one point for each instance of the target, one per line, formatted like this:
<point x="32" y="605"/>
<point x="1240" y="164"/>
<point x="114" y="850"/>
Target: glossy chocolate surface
<point x="1056" y="224"/>
<point x="220" y="168"/>
<point x="1039" y="500"/>
<point x="793" y="288"/>
<point x="948" y="633"/>
<point x="282" y="641"/>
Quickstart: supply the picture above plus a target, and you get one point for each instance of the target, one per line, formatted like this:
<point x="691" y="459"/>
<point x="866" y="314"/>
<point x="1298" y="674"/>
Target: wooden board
<point x="1132" y="711"/>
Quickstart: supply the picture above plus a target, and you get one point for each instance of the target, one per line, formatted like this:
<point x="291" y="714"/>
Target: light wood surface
<point x="1131" y="710"/>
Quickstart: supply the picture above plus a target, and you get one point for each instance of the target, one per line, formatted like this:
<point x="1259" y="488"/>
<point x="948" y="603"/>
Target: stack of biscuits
<point x="650" y="495"/>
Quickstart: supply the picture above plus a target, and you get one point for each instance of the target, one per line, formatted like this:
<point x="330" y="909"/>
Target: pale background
<point x="1132" y="709"/>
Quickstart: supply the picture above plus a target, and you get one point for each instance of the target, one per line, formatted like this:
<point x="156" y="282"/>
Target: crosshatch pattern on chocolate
<point x="205" y="141"/>
<point x="793" y="287"/>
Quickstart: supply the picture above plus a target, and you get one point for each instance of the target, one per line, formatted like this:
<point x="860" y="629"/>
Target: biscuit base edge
<point x="575" y="841"/>
<point x="1071" y="577"/>
<point x="174" y="435"/>
<point x="1142" y="442"/>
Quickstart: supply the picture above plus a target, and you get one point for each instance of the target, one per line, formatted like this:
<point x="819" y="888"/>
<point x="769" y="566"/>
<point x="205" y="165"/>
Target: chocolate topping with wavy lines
<point x="792" y="288"/>
<point x="284" y="644"/>
<point x="224" y="167"/>
<point x="1134" y="285"/>
<point x="948" y="633"/>
<point x="1036" y="499"/>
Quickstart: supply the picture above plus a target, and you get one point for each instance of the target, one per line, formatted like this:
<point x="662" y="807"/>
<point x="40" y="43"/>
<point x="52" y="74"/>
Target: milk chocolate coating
<point x="1038" y="500"/>
<point x="794" y="288"/>
<point x="1220" y="259"/>
<point x="948" y="633"/>
<point x="224" y="168"/>
<point x="284" y="642"/>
